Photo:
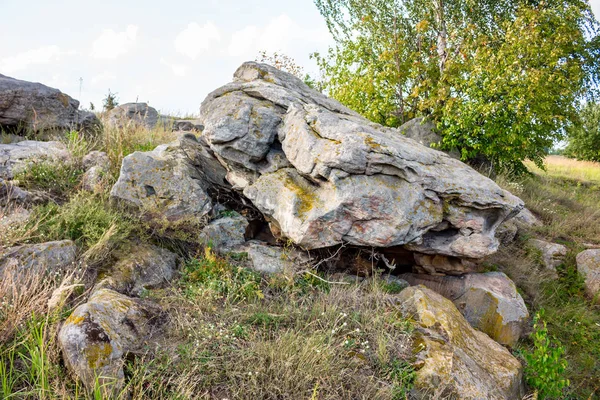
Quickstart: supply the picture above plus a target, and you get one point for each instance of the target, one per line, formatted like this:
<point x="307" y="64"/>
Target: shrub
<point x="85" y="219"/>
<point x="545" y="363"/>
<point x="217" y="275"/>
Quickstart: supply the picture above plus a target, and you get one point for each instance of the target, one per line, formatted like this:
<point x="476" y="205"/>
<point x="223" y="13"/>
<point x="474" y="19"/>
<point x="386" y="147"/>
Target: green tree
<point x="500" y="78"/>
<point x="110" y="101"/>
<point x="584" y="139"/>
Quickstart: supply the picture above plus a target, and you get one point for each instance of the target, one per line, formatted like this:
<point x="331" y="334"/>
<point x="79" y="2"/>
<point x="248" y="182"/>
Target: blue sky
<point x="168" y="53"/>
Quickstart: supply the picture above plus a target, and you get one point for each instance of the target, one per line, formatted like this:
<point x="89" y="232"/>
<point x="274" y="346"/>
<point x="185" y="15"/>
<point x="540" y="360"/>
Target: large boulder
<point x="15" y="157"/>
<point x="588" y="265"/>
<point x="323" y="175"/>
<point x="100" y="333"/>
<point x="43" y="257"/>
<point x="172" y="181"/>
<point x="489" y="302"/>
<point x="133" y="114"/>
<point x="36" y="107"/>
<point x="453" y="360"/>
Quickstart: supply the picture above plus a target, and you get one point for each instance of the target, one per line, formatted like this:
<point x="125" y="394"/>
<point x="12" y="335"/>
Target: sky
<point x="170" y="54"/>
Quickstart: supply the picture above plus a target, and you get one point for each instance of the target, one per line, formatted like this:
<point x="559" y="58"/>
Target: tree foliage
<point x="500" y="78"/>
<point x="110" y="101"/>
<point x="584" y="139"/>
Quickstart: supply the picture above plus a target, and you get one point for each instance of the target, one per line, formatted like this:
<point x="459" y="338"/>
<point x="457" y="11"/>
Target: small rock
<point x="9" y="193"/>
<point x="49" y="256"/>
<point x="15" y="157"/>
<point x="99" y="333"/>
<point x="271" y="259"/>
<point x="588" y="265"/>
<point x="553" y="254"/>
<point x="96" y="159"/>
<point x="489" y="302"/>
<point x="453" y="360"/>
<point x="141" y="268"/>
<point x="93" y="178"/>
<point x="226" y="233"/>
<point x="439" y="264"/>
<point x="526" y="219"/>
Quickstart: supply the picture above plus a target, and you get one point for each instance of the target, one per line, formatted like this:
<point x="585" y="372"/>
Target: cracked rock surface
<point x="323" y="175"/>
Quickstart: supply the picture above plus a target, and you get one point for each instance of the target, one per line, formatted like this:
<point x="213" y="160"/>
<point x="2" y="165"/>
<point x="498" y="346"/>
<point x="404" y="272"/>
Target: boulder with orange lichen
<point x="100" y="333"/>
<point x="453" y="360"/>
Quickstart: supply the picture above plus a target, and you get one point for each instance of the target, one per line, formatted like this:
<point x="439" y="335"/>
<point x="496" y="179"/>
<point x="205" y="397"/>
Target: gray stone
<point x="453" y="360"/>
<point x="38" y="107"/>
<point x="188" y="125"/>
<point x="97" y="166"/>
<point x="96" y="159"/>
<point x="588" y="265"/>
<point x="11" y="194"/>
<point x="140" y="114"/>
<point x="99" y="333"/>
<point x="50" y="256"/>
<point x="421" y="131"/>
<point x="141" y="268"/>
<point x="172" y="180"/>
<point x="489" y="302"/>
<point x="93" y="178"/>
<point x="225" y="233"/>
<point x="15" y="157"/>
<point x="345" y="179"/>
<point x="271" y="259"/>
<point x="553" y="254"/>
<point x="11" y="219"/>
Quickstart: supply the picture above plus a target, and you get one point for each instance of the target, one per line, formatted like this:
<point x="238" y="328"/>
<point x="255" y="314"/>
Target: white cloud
<point x="281" y="34"/>
<point x="178" y="69"/>
<point x="103" y="77"/>
<point x="111" y="44"/>
<point x="39" y="56"/>
<point x="195" y="39"/>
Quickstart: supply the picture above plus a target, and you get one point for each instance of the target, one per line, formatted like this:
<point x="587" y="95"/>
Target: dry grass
<point x="567" y="200"/>
<point x="118" y="142"/>
<point x="587" y="172"/>
<point x="340" y="343"/>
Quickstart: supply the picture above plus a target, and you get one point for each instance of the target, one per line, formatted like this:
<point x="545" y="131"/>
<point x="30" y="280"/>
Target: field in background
<point x="562" y="167"/>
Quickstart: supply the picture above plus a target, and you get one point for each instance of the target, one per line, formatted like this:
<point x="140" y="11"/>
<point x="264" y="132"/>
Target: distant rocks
<point x="141" y="114"/>
<point x="588" y="265"/>
<point x="454" y="360"/>
<point x="37" y="107"/>
<point x="133" y="114"/>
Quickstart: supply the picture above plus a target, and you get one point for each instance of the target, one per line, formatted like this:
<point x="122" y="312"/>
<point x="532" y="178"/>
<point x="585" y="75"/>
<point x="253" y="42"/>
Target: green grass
<point x="567" y="200"/>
